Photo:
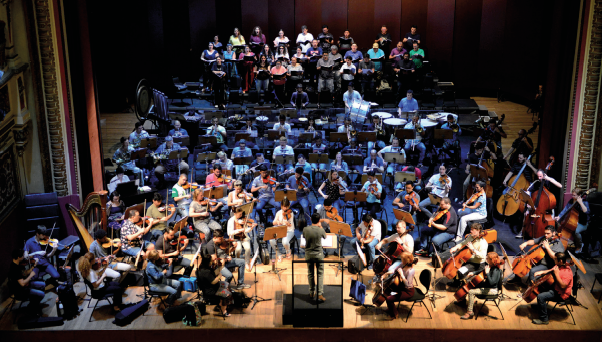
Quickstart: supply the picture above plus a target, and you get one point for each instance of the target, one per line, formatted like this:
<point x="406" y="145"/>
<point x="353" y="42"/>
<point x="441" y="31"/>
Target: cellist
<point x="551" y="246"/>
<point x="401" y="237"/>
<point x="478" y="246"/>
<point x="563" y="284"/>
<point x="583" y="210"/>
<point x="493" y="273"/>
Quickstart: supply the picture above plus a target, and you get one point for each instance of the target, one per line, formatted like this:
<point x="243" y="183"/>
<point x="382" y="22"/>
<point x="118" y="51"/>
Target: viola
<point x="333" y="214"/>
<point x="287" y="214"/>
<point x="111" y="243"/>
<point x="228" y="245"/>
<point x="169" y="207"/>
<point x="243" y="223"/>
<point x="452" y="265"/>
<point x="412" y="199"/>
<point x="439" y="214"/>
<point x="302" y="184"/>
<point x="143" y="220"/>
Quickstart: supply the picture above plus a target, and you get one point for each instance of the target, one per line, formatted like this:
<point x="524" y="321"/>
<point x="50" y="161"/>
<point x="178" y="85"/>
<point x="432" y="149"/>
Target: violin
<point x="169" y="207"/>
<point x="287" y="214"/>
<point x="52" y="242"/>
<point x="111" y="243"/>
<point x="206" y="201"/>
<point x="474" y="197"/>
<point x="302" y="184"/>
<point x="438" y="215"/>
<point x="228" y="245"/>
<point x="243" y="223"/>
<point x="444" y="179"/>
<point x="192" y="186"/>
<point x="413" y="200"/>
<point x="143" y="220"/>
<point x="269" y="181"/>
<point x="223" y="179"/>
<point x="100" y="262"/>
<point x="373" y="188"/>
<point x="178" y="239"/>
<point x="333" y="214"/>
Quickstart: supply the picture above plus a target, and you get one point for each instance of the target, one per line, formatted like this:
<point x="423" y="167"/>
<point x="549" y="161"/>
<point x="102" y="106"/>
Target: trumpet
<point x="455" y="127"/>
<point x="419" y="128"/>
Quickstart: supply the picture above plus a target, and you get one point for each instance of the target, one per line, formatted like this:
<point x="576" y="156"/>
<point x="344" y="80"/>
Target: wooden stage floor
<point x="268" y="315"/>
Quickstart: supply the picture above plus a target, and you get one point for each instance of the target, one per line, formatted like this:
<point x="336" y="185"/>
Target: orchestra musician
<point x="209" y="284"/>
<point x="481" y="153"/>
<point x="395" y="148"/>
<point x="373" y="162"/>
<point x="475" y="208"/>
<point x="415" y="143"/>
<point x="219" y="132"/>
<point x="163" y="164"/>
<point x="493" y="132"/>
<point x="302" y="162"/>
<point x="112" y="271"/>
<point x="131" y="236"/>
<point x="160" y="215"/>
<point x="374" y="190"/>
<point x="223" y="161"/>
<point x="137" y="135"/>
<point x="453" y="144"/>
<point x="265" y="185"/>
<point x="122" y="158"/>
<point x="354" y="150"/>
<point x="180" y="196"/>
<point x="283" y="150"/>
<point x="403" y="238"/>
<point x="314" y="252"/>
<point x="158" y="278"/>
<point x="440" y="185"/>
<point x="364" y="239"/>
<point x="338" y="164"/>
<point x="333" y="189"/>
<point x="282" y="125"/>
<point x="21" y="282"/>
<point x="523" y="144"/>
<point x="417" y="174"/>
<point x="37" y="247"/>
<point x="584" y="212"/>
<point x="218" y="179"/>
<point x="442" y="227"/>
<point x="349" y="97"/>
<point x="170" y="247"/>
<point x="320" y="148"/>
<point x="493" y="273"/>
<point x="563" y="284"/>
<point x="299" y="99"/>
<point x="115" y="211"/>
<point x="376" y="126"/>
<point x="478" y="247"/>
<point x="302" y="185"/>
<point x="260" y="160"/>
<point x="220" y="257"/>
<point x="241" y="151"/>
<point x="406" y="275"/>
<point x="284" y="216"/>
<point x="200" y="212"/>
<point x="515" y="169"/>
<point x="237" y="225"/>
<point x="89" y="269"/>
<point x="322" y="210"/>
<point x="239" y="196"/>
<point x="408" y="200"/>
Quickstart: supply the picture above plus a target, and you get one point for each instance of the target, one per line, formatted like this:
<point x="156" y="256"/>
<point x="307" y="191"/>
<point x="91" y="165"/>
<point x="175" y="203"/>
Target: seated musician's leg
<point x="422" y="150"/>
<point x="423" y="205"/>
<point x="184" y="168"/>
<point x="440" y="238"/>
<point x="259" y="209"/>
<point x="160" y="174"/>
<point x="372" y="250"/>
<point x="286" y="242"/>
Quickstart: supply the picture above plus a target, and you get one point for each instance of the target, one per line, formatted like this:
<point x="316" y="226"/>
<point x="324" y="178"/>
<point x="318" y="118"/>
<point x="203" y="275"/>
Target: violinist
<point x="218" y="179"/>
<point x="333" y="189"/>
<point x="440" y="185"/>
<point x="170" y="247"/>
<point x="402" y="237"/>
<point x="478" y="246"/>
<point x="283" y="150"/>
<point x="164" y="164"/>
<point x="131" y="236"/>
<point x="302" y="185"/>
<point x="493" y="273"/>
<point x="284" y="217"/>
<point x="238" y="224"/>
<point x="200" y="212"/>
<point x="37" y="246"/>
<point x="216" y="250"/>
<point x="453" y="144"/>
<point x="96" y="248"/>
<point x="260" y="160"/>
<point x="89" y="268"/>
<point x="265" y="185"/>
<point x="327" y="213"/>
<point x="563" y="283"/>
<point x="441" y="228"/>
<point x="551" y="245"/>
<point x="21" y="282"/>
<point x="406" y="290"/>
<point x="367" y="234"/>
<point x="408" y="200"/>
<point x="373" y="162"/>
<point x="180" y="195"/>
<point x="158" y="277"/>
<point x="239" y="196"/>
<point x="209" y="284"/>
<point x="582" y="208"/>
<point x="473" y="209"/>
<point x="374" y="190"/>
<point x="160" y="215"/>
<point x="482" y="153"/>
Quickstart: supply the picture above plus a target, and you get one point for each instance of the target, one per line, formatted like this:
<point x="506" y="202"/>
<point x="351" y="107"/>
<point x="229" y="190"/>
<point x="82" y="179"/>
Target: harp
<point x="91" y="217"/>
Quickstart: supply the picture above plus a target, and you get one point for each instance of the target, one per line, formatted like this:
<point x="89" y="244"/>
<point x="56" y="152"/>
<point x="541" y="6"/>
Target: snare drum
<point x="382" y="115"/>
<point x="359" y="110"/>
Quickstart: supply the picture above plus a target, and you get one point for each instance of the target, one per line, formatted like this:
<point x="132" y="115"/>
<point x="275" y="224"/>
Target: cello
<point x="569" y="221"/>
<point x="452" y="265"/>
<point x="522" y="264"/>
<point x="385" y="260"/>
<point x="384" y="289"/>
<point x="472" y="284"/>
<point x="509" y="202"/>
<point x="538" y="218"/>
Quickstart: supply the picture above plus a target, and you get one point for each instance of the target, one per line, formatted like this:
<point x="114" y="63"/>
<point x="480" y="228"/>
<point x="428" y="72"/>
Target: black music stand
<point x="239" y="136"/>
<point x="285" y="159"/>
<point x="275" y="134"/>
<point x="339" y="138"/>
<point x="179" y="155"/>
<point x="150" y="142"/>
<point x="405" y="134"/>
<point x="477" y="171"/>
<point x="341" y="229"/>
<point x="207" y="139"/>
<point x="205" y="157"/>
<point x="183" y="140"/>
<point x="443" y="134"/>
<point x="276" y="233"/>
<point x="255" y="298"/>
<point x="138" y="154"/>
<point x="504" y="296"/>
<point x="305" y="138"/>
<point x="318" y="158"/>
<point x="434" y="296"/>
<point x="242" y="161"/>
<point x="289" y="194"/>
<point x="365" y="137"/>
<point x="357" y="197"/>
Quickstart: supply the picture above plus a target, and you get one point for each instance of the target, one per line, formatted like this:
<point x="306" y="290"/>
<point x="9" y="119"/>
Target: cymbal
<point x="577" y="262"/>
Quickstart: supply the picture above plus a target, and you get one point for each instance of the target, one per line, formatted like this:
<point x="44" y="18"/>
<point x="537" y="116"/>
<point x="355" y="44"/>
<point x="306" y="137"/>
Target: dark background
<point x="480" y="45"/>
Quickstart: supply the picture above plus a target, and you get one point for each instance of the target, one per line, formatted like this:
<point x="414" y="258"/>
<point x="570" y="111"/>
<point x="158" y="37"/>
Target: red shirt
<point x="212" y="181"/>
<point x="417" y="172"/>
<point x="567" y="277"/>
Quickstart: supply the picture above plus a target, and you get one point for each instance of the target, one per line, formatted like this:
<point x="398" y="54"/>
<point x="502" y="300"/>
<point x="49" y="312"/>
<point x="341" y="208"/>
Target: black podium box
<point x="302" y="311"/>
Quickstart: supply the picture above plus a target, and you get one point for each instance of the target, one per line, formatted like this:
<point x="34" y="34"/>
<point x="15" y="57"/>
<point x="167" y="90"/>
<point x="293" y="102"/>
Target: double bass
<point x="509" y="202"/>
<point x="569" y="221"/>
<point x="538" y="218"/>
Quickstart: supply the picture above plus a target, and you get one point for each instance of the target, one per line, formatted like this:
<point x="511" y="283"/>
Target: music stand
<point x="405" y="134"/>
<point x="290" y="194"/>
<point x="339" y="137"/>
<point x="357" y="197"/>
<point x="366" y="136"/>
<point x="402" y="215"/>
<point x="379" y="177"/>
<point x="275" y="134"/>
<point x="238" y="136"/>
<point x="204" y="157"/>
<point x="318" y="158"/>
<point x="207" y="139"/>
<point x="305" y="138"/>
<point x="290" y="113"/>
<point x="435" y="200"/>
<point x="341" y="229"/>
<point x="443" y="134"/>
<point x="504" y="296"/>
<point x="178" y="154"/>
<point x="403" y="176"/>
<point x="247" y="208"/>
<point x="216" y="192"/>
<point x="434" y="296"/>
<point x="284" y="159"/>
<point x="242" y="161"/>
<point x="277" y="232"/>
<point x="256" y="299"/>
<point x="182" y="140"/>
<point x="138" y="154"/>
<point x="216" y="114"/>
<point x="150" y="142"/>
<point x="177" y="116"/>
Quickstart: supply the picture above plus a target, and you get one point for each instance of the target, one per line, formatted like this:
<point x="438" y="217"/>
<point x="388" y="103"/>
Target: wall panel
<point x="414" y="12"/>
<point x="493" y="21"/>
<point x="388" y="12"/>
<point x="254" y="13"/>
<point x="308" y="13"/>
<point x="361" y="21"/>
<point x="441" y="25"/>
<point x="228" y="14"/>
<point x="467" y="30"/>
<point x="334" y="14"/>
<point x="202" y="17"/>
<point x="282" y="16"/>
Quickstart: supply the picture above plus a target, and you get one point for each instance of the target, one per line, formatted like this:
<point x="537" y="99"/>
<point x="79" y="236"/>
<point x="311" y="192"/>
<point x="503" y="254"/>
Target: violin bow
<point x="50" y="237"/>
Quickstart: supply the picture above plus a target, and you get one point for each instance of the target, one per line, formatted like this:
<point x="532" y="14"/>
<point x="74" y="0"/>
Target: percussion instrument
<point x="263" y="119"/>
<point x="303" y="119"/>
<point x="426" y="123"/>
<point x="382" y="115"/>
<point x="359" y="110"/>
<point x="440" y="117"/>
<point x="394" y="123"/>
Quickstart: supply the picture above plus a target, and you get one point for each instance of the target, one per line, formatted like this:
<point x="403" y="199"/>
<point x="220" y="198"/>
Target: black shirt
<point x="384" y="45"/>
<point x="405" y="65"/>
<point x="449" y="220"/>
<point x="474" y="159"/>
<point x="324" y="44"/>
<point x="411" y="38"/>
<point x="527" y="172"/>
<point x="15" y="273"/>
<point x="521" y="147"/>
<point x="556" y="246"/>
<point x="205" y="277"/>
<point x="210" y="249"/>
<point x="164" y="246"/>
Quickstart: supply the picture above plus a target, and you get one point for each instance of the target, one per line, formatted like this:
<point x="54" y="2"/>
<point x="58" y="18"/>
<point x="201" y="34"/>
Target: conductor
<point x="314" y="254"/>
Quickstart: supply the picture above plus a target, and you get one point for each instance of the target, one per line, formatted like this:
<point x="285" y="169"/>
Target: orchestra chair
<point x="568" y="303"/>
<point x="495" y="298"/>
<point x="419" y="296"/>
<point x="449" y="101"/>
<point x="13" y="299"/>
<point x="96" y="295"/>
<point x="598" y="278"/>
<point x="382" y="212"/>
<point x="427" y="100"/>
<point x="148" y="293"/>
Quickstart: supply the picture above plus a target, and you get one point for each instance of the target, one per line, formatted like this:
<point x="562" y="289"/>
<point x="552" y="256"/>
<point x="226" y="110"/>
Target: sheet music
<point x="326" y="242"/>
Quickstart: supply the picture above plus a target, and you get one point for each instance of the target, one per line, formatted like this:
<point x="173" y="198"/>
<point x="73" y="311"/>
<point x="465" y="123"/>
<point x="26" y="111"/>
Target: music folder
<point x="249" y="58"/>
<point x="346" y="71"/>
<point x="379" y="59"/>
<point x="345" y="41"/>
<point x="304" y="42"/>
<point x="296" y="73"/>
<point x="279" y="76"/>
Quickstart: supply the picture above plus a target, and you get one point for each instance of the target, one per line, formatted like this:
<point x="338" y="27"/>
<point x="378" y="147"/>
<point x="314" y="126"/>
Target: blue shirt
<point x="378" y="162"/>
<point x="155" y="274"/>
<point x="304" y="98"/>
<point x="343" y="167"/>
<point x="237" y="152"/>
<point x="314" y="52"/>
<point x="178" y="133"/>
<point x="32" y="245"/>
<point x="455" y="135"/>
<point x="583" y="217"/>
<point x="406" y="204"/>
<point x="163" y="148"/>
<point x="292" y="181"/>
<point x="374" y="55"/>
<point x="306" y="168"/>
<point x="355" y="56"/>
<point x="482" y="209"/>
<point x="372" y="198"/>
<point x="349" y="99"/>
<point x="408" y="106"/>
<point x="263" y="192"/>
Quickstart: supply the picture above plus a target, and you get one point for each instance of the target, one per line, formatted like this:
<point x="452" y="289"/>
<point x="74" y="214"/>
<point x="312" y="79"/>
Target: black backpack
<point x="68" y="298"/>
<point x="355" y="265"/>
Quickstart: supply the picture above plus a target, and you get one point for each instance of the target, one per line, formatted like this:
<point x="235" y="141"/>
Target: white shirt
<point x="407" y="241"/>
<point x="375" y="229"/>
<point x="343" y="129"/>
<point x="389" y="149"/>
<point x="438" y="187"/>
<point x="287" y="127"/>
<point x="93" y="277"/>
<point x="480" y="249"/>
<point x="303" y="37"/>
<point x="280" y="221"/>
<point x="114" y="181"/>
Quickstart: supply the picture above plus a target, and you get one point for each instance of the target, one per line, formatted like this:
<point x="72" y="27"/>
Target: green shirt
<point x="417" y="61"/>
<point x="313" y="241"/>
<point x="154" y="212"/>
